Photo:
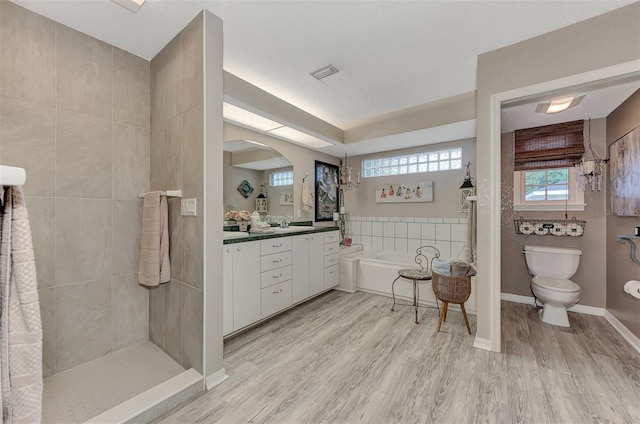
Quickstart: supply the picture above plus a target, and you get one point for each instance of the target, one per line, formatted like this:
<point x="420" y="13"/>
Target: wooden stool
<point x="451" y="290"/>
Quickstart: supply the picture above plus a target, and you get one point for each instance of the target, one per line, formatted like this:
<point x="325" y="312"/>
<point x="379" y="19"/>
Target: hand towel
<point x="307" y="197"/>
<point x="154" y="267"/>
<point x="441" y="266"/>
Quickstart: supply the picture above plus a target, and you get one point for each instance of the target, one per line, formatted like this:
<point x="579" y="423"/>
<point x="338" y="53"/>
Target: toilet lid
<point x="557" y="284"/>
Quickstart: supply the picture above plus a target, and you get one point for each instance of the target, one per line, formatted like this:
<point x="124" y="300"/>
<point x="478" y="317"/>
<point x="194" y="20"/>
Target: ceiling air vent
<point x="324" y="72"/>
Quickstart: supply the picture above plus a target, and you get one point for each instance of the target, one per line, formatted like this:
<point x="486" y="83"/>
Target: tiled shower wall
<point x="177" y="152"/>
<point x="74" y="112"/>
<point x="406" y="234"/>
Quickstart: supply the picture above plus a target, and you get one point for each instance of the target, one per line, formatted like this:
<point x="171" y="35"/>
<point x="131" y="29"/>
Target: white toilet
<point x="552" y="267"/>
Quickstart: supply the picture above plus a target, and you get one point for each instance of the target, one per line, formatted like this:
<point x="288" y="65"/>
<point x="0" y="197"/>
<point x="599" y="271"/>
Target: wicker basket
<point x="451" y="289"/>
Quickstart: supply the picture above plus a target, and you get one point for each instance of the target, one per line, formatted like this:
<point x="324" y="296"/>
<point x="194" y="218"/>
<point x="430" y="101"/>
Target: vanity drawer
<point x="331" y="276"/>
<point x="331" y="260"/>
<point x="276" y="298"/>
<point x="333" y="236"/>
<point x="275" y="276"/>
<point x="275" y="245"/>
<point x="277" y="260"/>
<point x="331" y="248"/>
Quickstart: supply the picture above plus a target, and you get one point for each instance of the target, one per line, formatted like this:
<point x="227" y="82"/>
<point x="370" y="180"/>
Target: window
<point x="413" y="163"/>
<point x="281" y="178"/>
<point x="547" y="189"/>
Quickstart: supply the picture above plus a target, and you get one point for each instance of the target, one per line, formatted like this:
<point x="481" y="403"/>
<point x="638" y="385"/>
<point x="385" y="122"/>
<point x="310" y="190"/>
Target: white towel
<point x="559" y="229"/>
<point x="307" y="197"/>
<point x="575" y="230"/>
<point x="20" y="323"/>
<point x="154" y="267"/>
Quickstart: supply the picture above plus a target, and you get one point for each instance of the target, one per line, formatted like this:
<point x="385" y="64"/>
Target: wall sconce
<point x="262" y="203"/>
<point x="466" y="189"/>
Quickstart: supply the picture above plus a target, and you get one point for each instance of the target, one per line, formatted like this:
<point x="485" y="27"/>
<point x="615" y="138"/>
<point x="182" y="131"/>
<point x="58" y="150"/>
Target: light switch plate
<point x="188" y="207"/>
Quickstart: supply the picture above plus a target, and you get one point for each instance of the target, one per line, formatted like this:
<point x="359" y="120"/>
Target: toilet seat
<point x="556" y="284"/>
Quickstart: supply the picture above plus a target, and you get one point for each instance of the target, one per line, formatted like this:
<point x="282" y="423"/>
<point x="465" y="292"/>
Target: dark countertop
<point x="254" y="237"/>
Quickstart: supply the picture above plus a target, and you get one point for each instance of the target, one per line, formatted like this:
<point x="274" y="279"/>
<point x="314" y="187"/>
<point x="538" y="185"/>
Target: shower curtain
<point x="20" y="325"/>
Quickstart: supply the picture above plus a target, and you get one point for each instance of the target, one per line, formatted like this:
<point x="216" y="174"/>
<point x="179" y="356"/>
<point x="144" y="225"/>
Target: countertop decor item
<point x="466" y="189"/>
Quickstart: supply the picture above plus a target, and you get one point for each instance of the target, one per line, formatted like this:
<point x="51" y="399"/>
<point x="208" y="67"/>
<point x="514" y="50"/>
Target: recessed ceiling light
<point x="559" y="105"/>
<point x="324" y="72"/>
<point x="132" y="5"/>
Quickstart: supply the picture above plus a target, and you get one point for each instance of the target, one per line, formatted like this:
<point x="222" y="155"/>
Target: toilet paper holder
<point x="632" y="243"/>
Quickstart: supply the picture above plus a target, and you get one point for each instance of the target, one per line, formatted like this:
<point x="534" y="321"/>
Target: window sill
<point x="562" y="207"/>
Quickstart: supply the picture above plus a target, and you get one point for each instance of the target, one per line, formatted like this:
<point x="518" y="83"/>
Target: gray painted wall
<point x="597" y="43"/>
<point x="591" y="275"/>
<point x="620" y="268"/>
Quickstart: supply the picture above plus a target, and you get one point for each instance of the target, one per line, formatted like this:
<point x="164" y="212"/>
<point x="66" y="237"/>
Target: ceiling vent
<point x="324" y="72"/>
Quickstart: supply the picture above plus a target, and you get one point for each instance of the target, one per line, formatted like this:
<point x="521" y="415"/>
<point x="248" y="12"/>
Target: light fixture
<point x="346" y="171"/>
<point x="559" y="105"/>
<point x="132" y="5"/>
<point x="466" y="189"/>
<point x="324" y="72"/>
<point x="247" y="119"/>
<point x="590" y="169"/>
<point x="262" y="202"/>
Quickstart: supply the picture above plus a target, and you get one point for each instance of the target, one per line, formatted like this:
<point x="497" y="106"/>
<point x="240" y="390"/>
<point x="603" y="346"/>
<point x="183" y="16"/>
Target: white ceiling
<point x="391" y="55"/>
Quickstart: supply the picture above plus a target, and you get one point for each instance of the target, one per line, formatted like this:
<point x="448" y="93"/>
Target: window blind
<point x="550" y="146"/>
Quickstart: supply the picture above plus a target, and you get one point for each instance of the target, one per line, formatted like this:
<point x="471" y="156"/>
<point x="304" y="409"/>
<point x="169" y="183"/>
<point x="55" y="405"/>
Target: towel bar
<point x="168" y="193"/>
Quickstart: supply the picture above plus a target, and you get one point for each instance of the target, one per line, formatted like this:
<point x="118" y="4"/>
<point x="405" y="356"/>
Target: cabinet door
<point x="316" y="263"/>
<point x="246" y="284"/>
<point x="227" y="289"/>
<point x="300" y="267"/>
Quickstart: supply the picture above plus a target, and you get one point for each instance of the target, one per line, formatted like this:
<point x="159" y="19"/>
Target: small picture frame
<point x="286" y="198"/>
<point x="327" y="199"/>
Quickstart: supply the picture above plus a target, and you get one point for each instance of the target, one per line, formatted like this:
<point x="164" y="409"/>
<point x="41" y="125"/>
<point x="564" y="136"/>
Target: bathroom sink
<point x="226" y="235"/>
<point x="292" y="229"/>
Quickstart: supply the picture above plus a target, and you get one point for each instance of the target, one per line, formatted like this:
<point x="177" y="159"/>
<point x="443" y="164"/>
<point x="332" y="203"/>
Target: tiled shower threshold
<point x="135" y="384"/>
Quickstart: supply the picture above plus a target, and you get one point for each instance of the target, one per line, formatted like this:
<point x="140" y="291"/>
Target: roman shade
<point x="550" y="146"/>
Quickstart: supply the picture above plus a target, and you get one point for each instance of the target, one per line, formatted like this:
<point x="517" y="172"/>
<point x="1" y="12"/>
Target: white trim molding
<point x="624" y="331"/>
<point x="484" y="344"/>
<point x="216" y="379"/>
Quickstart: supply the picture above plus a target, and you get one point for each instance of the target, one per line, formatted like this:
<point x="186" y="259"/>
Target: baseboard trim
<point x="529" y="300"/>
<point x="216" y="379"/>
<point x="481" y="343"/>
<point x="624" y="331"/>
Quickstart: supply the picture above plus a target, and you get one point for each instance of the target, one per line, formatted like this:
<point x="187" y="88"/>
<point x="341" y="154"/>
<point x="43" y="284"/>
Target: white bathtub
<point x="376" y="271"/>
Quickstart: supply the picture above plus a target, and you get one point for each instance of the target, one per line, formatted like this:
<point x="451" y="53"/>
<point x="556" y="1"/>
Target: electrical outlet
<point x="299" y="213"/>
<point x="188" y="207"/>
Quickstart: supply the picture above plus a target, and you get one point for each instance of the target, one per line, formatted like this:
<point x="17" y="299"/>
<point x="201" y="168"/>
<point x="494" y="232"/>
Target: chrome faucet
<point x="285" y="222"/>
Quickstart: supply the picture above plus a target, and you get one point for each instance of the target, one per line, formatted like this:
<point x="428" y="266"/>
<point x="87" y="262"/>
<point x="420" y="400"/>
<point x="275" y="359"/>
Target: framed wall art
<point x="326" y="191"/>
<point x="624" y="174"/>
<point x="405" y="192"/>
<point x="286" y="198"/>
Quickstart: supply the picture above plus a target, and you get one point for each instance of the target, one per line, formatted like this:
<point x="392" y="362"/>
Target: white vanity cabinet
<point x="264" y="277"/>
<point x="275" y="277"/>
<point x="244" y="279"/>
<point x="308" y="265"/>
<point x="331" y="259"/>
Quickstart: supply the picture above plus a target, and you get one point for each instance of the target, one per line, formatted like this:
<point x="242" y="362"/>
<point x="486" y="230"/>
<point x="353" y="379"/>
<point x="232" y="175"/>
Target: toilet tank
<point x="555" y="262"/>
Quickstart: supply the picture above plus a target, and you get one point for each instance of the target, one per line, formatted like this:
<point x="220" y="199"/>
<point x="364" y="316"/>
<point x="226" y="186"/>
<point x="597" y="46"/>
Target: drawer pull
<point x="332" y="248"/>
<point x="238" y="249"/>
<point x="228" y="250"/>
<point x="277" y="292"/>
<point x="277" y="276"/>
<point x="277" y="245"/>
<point x="277" y="262"/>
<point x="332" y="271"/>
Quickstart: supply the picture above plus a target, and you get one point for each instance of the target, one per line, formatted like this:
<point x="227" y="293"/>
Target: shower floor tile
<point x="80" y="393"/>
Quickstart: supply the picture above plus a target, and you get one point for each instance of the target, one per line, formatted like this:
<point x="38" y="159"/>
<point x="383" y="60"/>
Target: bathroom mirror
<point x="265" y="169"/>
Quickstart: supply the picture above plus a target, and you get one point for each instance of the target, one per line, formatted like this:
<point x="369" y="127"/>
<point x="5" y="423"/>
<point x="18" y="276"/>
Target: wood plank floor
<point x="347" y="358"/>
